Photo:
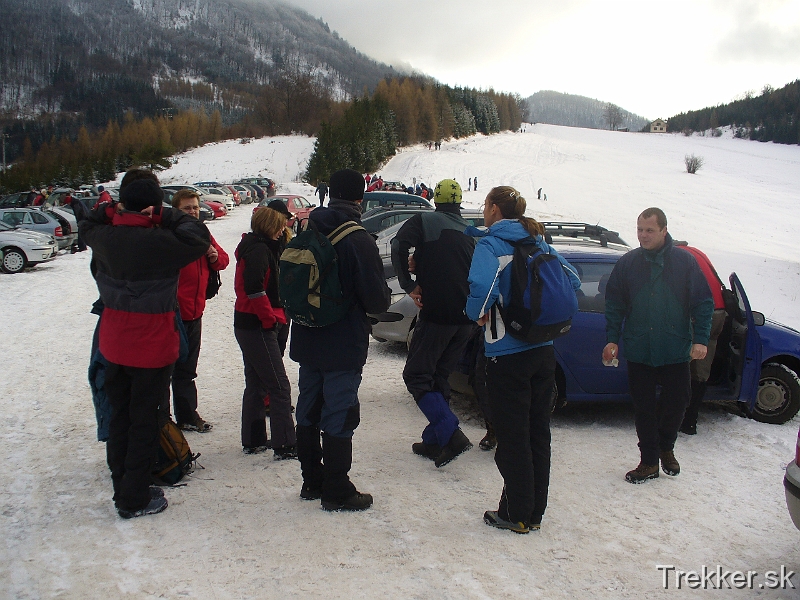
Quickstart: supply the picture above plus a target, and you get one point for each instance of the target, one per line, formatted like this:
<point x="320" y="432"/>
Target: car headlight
<point x="396" y="298"/>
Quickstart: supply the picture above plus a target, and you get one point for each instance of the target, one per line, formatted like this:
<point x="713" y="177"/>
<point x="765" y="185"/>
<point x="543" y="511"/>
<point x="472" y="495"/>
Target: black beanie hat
<point x="280" y="206"/>
<point x="140" y="194"/>
<point x="347" y="185"/>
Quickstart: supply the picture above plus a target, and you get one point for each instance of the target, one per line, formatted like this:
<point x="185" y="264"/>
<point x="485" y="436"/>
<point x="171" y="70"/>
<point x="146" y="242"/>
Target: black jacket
<point x="343" y="346"/>
<point x="443" y="254"/>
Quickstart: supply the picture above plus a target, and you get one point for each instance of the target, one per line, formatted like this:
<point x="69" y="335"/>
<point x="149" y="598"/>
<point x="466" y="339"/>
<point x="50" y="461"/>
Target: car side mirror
<point x="758" y="318"/>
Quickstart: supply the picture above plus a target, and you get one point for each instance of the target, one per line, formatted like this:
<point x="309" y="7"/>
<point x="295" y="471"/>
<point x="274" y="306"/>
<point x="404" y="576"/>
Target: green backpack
<point x="308" y="277"/>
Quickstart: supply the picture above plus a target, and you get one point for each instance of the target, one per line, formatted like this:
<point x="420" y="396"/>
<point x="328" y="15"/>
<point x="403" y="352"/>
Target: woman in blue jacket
<point x="519" y="375"/>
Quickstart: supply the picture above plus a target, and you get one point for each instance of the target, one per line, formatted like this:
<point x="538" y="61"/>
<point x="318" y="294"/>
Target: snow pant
<point x="264" y="373"/>
<point x="479" y="384"/>
<point x="434" y="353"/>
<point x="134" y="395"/>
<point x="520" y="386"/>
<point x="701" y="369"/>
<point x="184" y="390"/>
<point x="327" y="403"/>
<point x="658" y="416"/>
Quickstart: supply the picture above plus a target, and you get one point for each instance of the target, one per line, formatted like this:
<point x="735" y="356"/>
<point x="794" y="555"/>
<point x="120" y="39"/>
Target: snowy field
<point x="238" y="528"/>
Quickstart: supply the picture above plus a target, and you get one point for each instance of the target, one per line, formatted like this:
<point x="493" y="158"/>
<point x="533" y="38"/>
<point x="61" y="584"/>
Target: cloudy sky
<point x="655" y="58"/>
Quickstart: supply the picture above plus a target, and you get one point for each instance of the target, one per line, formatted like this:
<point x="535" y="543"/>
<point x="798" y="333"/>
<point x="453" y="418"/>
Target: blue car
<point x="756" y="363"/>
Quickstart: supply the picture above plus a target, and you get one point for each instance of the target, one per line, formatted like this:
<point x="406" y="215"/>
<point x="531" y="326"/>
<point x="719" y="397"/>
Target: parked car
<point x="245" y="193"/>
<point x="236" y="197"/>
<point x="265" y="183"/>
<point x="22" y="248"/>
<point x="384" y="237"/>
<point x="39" y="220"/>
<point x="220" y="194"/>
<point x="218" y="208"/>
<point x="755" y="366"/>
<point x="15" y="200"/>
<point x="373" y="199"/>
<point x="299" y="206"/>
<point x="379" y="218"/>
<point x="791" y="485"/>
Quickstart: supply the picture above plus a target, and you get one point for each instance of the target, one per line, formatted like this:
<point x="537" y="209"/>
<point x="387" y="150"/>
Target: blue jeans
<point x="329" y="400"/>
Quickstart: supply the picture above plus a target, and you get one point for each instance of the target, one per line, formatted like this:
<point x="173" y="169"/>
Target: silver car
<point x="39" y="220"/>
<point x="21" y="248"/>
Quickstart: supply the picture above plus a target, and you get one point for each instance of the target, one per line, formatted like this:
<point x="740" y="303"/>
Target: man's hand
<point x="416" y="295"/>
<point x="483" y="320"/>
<point x="412" y="264"/>
<point x="212" y="254"/>
<point x="698" y="352"/>
<point x="610" y="352"/>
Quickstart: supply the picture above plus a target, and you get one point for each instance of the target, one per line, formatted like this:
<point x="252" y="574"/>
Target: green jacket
<point x="659" y="303"/>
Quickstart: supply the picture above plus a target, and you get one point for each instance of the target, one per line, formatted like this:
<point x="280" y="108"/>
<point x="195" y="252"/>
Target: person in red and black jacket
<point x="138" y="250"/>
<point x="257" y="321"/>
<point x="192" y="287"/>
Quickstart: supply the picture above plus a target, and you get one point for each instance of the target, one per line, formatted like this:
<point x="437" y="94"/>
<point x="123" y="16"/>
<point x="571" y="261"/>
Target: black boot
<point x="309" y="453"/>
<point x="338" y="492"/>
<point x="689" y="425"/>
<point x="489" y="441"/>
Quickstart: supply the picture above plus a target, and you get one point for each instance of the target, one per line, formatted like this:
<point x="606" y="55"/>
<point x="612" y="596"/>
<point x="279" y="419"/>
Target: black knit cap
<point x="140" y="194"/>
<point x="347" y="185"/>
<point x="280" y="206"/>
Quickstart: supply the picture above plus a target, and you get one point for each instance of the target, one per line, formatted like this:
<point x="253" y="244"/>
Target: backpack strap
<point x="342" y="231"/>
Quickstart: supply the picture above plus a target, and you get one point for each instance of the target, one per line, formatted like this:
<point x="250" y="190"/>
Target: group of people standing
<point x="152" y="266"/>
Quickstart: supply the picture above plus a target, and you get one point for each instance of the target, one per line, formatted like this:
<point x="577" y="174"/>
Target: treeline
<point x="406" y="111"/>
<point x="100" y="155"/>
<point x="555" y="108"/>
<point x="772" y="116"/>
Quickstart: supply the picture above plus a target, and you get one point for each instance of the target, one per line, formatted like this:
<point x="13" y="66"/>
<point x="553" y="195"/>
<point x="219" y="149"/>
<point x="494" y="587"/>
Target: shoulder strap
<point x="341" y="232"/>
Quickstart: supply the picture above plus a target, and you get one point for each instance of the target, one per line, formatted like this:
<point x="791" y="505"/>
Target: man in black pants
<point x="665" y="303"/>
<point x="138" y="251"/>
<point x="441" y="261"/>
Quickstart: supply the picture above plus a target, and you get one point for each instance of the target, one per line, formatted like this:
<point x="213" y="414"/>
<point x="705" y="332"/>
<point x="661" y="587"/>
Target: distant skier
<point x="321" y="191"/>
<point x="474" y="184"/>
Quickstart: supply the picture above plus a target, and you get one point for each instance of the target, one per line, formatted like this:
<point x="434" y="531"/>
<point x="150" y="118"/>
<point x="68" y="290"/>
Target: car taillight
<point x="59" y="232"/>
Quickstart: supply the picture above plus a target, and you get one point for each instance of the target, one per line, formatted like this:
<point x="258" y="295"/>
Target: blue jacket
<point x="658" y="302"/>
<point x="490" y="280"/>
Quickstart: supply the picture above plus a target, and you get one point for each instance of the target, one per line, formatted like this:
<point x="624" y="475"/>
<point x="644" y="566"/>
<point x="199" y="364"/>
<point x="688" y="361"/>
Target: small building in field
<point x="658" y="126"/>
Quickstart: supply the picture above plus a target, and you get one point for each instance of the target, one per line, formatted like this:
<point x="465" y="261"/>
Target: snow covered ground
<point x="239" y="529"/>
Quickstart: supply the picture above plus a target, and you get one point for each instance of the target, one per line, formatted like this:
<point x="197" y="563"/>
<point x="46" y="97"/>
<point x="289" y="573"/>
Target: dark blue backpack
<point x="542" y="301"/>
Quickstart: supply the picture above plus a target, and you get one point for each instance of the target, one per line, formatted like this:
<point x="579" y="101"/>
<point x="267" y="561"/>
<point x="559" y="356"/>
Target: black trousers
<point x="184" y="390"/>
<point x="434" y="353"/>
<point x="658" y="416"/>
<point x="264" y="374"/>
<point x="519" y="387"/>
<point x="134" y="395"/>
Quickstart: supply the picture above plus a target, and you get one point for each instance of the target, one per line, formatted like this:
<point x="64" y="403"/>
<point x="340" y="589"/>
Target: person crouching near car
<point x="138" y="250"/>
<point x="519" y="375"/>
<point x="257" y="321"/>
<point x="192" y="287"/>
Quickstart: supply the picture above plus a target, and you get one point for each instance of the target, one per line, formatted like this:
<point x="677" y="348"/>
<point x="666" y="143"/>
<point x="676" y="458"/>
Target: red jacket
<point x="193" y="282"/>
<point x="256" y="284"/>
<point x="710" y="274"/>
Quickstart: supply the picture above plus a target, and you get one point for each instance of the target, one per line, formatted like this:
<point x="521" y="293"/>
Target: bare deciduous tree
<point x="693" y="163"/>
<point x="613" y="116"/>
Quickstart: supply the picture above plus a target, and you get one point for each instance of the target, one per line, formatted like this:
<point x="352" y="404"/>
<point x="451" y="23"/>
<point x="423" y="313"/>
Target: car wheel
<point x="13" y="260"/>
<point x="778" y="395"/>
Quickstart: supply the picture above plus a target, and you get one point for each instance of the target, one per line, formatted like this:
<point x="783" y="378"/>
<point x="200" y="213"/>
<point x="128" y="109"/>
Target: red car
<point x="299" y="206"/>
<point x="236" y="197"/>
<point x="218" y="208"/>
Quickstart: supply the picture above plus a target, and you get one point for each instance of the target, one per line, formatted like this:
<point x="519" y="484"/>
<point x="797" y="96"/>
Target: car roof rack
<point x="584" y="231"/>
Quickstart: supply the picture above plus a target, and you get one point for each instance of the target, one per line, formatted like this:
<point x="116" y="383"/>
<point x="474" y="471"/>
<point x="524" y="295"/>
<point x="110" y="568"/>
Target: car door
<point x="745" y="348"/>
<point x="579" y="352"/>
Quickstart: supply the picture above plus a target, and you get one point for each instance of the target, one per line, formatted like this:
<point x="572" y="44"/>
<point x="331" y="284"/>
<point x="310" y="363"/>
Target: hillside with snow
<point x="238" y="529"/>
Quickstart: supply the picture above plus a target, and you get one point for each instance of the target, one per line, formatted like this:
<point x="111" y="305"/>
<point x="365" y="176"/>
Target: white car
<point x="222" y="195"/>
<point x="21" y="248"/>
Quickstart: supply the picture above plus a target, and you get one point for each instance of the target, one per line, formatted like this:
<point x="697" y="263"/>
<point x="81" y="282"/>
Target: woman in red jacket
<point x="257" y="321"/>
<point x="192" y="286"/>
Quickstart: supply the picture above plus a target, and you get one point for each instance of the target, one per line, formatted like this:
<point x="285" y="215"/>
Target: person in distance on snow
<point x="138" y="250"/>
<point x="519" y="375"/>
<point x="659" y="303"/>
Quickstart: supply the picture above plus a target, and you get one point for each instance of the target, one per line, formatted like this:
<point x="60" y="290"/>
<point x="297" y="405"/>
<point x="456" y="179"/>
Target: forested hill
<point x="101" y="58"/>
<point x="772" y="116"/>
<point x="556" y="108"/>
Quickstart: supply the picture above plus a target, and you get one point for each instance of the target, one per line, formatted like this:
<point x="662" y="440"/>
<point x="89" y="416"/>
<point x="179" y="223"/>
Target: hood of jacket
<point x="509" y="230"/>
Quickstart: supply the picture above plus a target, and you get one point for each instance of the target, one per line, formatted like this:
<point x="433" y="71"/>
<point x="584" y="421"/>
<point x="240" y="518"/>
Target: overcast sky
<point x="655" y="58"/>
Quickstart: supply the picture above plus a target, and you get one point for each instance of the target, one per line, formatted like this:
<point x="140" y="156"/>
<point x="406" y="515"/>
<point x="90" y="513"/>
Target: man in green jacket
<point x="659" y="303"/>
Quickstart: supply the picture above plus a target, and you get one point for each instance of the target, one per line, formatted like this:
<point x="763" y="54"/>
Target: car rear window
<point x="594" y="277"/>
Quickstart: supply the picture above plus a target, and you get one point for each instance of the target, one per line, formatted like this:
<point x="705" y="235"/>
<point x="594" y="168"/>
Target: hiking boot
<point x="489" y="441"/>
<point x="255" y="449"/>
<point x="198" y="424"/>
<point x="431" y="451"/>
<point x="490" y="517"/>
<point x="688" y="428"/>
<point x="156" y="505"/>
<point x="357" y="501"/>
<point x="642" y="473"/>
<point x="458" y="444"/>
<point x="309" y="492"/>
<point x="669" y="464"/>
<point x="285" y="452"/>
<point x="156" y="492"/>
